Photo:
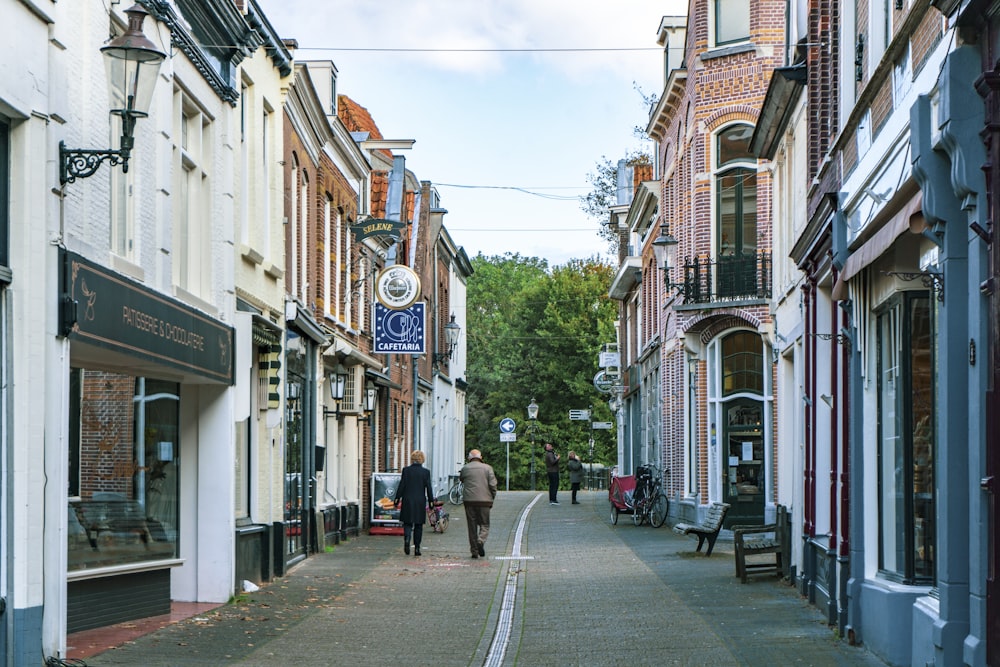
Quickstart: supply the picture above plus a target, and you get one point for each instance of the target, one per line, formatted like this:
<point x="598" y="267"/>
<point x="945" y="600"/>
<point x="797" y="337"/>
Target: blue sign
<point x="400" y="331"/>
<point x="507" y="425"/>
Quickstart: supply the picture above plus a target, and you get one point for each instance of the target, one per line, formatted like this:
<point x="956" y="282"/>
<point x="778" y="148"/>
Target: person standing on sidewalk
<point x="552" y="470"/>
<point x="480" y="484"/>
<point x="414" y="485"/>
<point x="575" y="468"/>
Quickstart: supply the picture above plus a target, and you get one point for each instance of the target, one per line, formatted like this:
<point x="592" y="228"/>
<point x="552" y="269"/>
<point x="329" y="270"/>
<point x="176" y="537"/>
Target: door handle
<point x="987" y="484"/>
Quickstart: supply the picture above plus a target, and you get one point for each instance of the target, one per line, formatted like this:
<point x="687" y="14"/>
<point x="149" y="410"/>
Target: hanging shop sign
<point x="397" y="287"/>
<point x="106" y="309"/>
<point x="400" y="331"/>
<point x="603" y="382"/>
<point x="378" y="227"/>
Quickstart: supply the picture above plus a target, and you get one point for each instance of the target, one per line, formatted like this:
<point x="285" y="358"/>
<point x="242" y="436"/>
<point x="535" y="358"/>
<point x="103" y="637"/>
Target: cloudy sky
<point x="511" y="102"/>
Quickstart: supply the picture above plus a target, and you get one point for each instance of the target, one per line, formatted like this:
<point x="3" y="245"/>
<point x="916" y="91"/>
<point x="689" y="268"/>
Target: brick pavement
<point x="591" y="594"/>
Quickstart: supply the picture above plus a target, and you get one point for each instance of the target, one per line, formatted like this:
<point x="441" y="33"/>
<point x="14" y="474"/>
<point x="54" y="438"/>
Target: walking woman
<point x="415" y="494"/>
<point x="575" y="468"/>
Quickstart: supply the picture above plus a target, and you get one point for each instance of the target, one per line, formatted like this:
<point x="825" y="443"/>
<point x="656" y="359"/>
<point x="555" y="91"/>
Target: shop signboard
<point x="104" y="308"/>
<point x="385" y="514"/>
<point x="400" y="331"/>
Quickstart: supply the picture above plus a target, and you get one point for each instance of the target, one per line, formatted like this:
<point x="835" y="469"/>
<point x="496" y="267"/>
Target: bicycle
<point x="650" y="504"/>
<point x="456" y="494"/>
<point x="438" y="517"/>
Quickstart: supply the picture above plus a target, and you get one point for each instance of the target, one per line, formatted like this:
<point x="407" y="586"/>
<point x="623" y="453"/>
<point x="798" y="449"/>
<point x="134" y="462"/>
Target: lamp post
<point x="338" y="381"/>
<point x="532" y="416"/>
<point x="133" y="64"/>
<point x="452" y="331"/>
<point x="665" y="251"/>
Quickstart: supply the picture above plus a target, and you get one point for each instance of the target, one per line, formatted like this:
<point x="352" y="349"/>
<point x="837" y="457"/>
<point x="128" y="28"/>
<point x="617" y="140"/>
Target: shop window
<point x="906" y="439"/>
<point x="742" y="363"/>
<point x="123" y="470"/>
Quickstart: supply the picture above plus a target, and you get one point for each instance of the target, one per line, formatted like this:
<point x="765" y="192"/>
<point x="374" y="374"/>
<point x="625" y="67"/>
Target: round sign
<point x="507" y="425"/>
<point x="397" y="287"/>
<point x="603" y="383"/>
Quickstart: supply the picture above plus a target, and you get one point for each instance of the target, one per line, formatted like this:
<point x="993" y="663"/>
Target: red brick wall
<point x="107" y="442"/>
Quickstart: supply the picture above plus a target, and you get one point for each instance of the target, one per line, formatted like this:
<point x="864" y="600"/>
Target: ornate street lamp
<point x="133" y="64"/>
<point x="665" y="251"/>
<point x="532" y="416"/>
<point x="452" y="331"/>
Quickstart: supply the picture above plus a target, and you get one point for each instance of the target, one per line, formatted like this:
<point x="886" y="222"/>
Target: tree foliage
<point x="536" y="333"/>
<point x="604" y="180"/>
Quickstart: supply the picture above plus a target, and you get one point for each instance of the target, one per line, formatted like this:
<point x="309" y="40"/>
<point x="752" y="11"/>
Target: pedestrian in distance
<point x="480" y="484"/>
<point x="413" y="495"/>
<point x="575" y="468"/>
<point x="552" y="470"/>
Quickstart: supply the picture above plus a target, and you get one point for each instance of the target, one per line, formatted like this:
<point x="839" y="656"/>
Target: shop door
<point x="743" y="469"/>
<point x="296" y="479"/>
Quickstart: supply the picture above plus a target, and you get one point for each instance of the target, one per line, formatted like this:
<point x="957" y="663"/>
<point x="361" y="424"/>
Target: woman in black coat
<point x="415" y="494"/>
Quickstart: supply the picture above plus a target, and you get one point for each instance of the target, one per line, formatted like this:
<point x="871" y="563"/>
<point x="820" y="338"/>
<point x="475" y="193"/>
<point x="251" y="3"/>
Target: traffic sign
<point x="508" y="437"/>
<point x="603" y="382"/>
<point x="579" y="415"/>
<point x="507" y="425"/>
<point x="605" y="426"/>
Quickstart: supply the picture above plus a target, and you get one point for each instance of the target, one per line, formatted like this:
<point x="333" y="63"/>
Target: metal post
<point x="532" y="457"/>
<point x="508" y="465"/>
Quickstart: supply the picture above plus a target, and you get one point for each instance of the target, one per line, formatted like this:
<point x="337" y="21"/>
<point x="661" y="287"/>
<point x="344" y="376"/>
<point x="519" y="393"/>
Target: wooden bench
<point x="756" y="541"/>
<point x="708" y="529"/>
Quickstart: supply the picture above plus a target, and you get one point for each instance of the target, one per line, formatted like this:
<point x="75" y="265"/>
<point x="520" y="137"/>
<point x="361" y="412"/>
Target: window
<point x="192" y="157"/>
<point x="906" y="439"/>
<point x="328" y="265"/>
<point x="736" y="212"/>
<point x="742" y="363"/>
<point x="4" y="192"/>
<point x="732" y="21"/>
<point x="123" y="469"/>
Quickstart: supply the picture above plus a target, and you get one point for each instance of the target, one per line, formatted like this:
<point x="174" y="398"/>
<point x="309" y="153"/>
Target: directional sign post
<point x="597" y="426"/>
<point x="579" y="415"/>
<point x="508" y="435"/>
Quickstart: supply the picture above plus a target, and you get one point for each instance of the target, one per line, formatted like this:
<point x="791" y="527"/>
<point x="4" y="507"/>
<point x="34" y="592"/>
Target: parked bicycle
<point x="456" y="494"/>
<point x="438" y="517"/>
<point x="650" y="504"/>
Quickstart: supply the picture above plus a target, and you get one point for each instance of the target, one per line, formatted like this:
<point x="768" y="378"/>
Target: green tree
<point x="536" y="334"/>
<point x="598" y="202"/>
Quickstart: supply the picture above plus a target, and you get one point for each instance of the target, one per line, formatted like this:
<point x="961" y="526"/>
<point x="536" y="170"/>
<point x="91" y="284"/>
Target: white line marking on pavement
<point x="513" y="558"/>
<point x="498" y="649"/>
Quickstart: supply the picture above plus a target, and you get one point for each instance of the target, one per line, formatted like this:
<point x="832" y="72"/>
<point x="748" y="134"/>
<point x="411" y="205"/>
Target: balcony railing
<point x="726" y="278"/>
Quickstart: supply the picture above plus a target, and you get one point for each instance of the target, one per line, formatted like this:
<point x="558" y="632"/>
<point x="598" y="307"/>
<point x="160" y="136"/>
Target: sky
<point x="507" y="122"/>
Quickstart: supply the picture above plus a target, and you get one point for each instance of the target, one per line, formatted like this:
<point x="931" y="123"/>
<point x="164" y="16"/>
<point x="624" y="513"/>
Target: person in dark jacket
<point x="414" y="494"/>
<point x="575" y="468"/>
<point x="480" y="484"/>
<point x="552" y="471"/>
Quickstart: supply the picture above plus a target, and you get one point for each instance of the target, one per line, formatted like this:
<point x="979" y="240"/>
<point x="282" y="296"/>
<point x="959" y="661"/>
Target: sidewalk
<point x="588" y="593"/>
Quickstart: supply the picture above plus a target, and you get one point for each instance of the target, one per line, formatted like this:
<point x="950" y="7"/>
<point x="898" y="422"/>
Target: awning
<point x="908" y="218"/>
<point x="352" y="356"/>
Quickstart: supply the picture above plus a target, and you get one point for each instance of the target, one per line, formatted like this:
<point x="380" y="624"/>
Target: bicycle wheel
<point x="658" y="512"/>
<point x="443" y="523"/>
<point x="639" y="513"/>
<point x="614" y="515"/>
<point x="455" y="494"/>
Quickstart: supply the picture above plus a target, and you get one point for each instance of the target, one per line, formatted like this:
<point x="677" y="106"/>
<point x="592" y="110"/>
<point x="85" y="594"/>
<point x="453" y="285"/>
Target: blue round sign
<point x="507" y="425"/>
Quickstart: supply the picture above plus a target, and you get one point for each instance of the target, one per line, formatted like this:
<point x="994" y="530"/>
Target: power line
<point x="416" y="50"/>
<point x="514" y="188"/>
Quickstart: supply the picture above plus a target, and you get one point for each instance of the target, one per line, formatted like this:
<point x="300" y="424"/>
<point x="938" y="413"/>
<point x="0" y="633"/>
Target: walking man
<point x="552" y="470"/>
<point x="480" y="484"/>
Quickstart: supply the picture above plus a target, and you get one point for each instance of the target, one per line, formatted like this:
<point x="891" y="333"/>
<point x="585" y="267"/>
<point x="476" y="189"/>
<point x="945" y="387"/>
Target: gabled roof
<point x="357" y="119"/>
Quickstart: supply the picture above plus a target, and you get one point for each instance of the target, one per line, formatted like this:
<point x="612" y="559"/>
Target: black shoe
<point x="576" y="502"/>
<point x="482" y="550"/>
<point x="406" y="548"/>
<point x="475" y="555"/>
<point x="416" y="551"/>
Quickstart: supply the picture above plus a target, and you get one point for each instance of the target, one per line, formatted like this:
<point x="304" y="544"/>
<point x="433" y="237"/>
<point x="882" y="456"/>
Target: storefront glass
<point x="123" y="470"/>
